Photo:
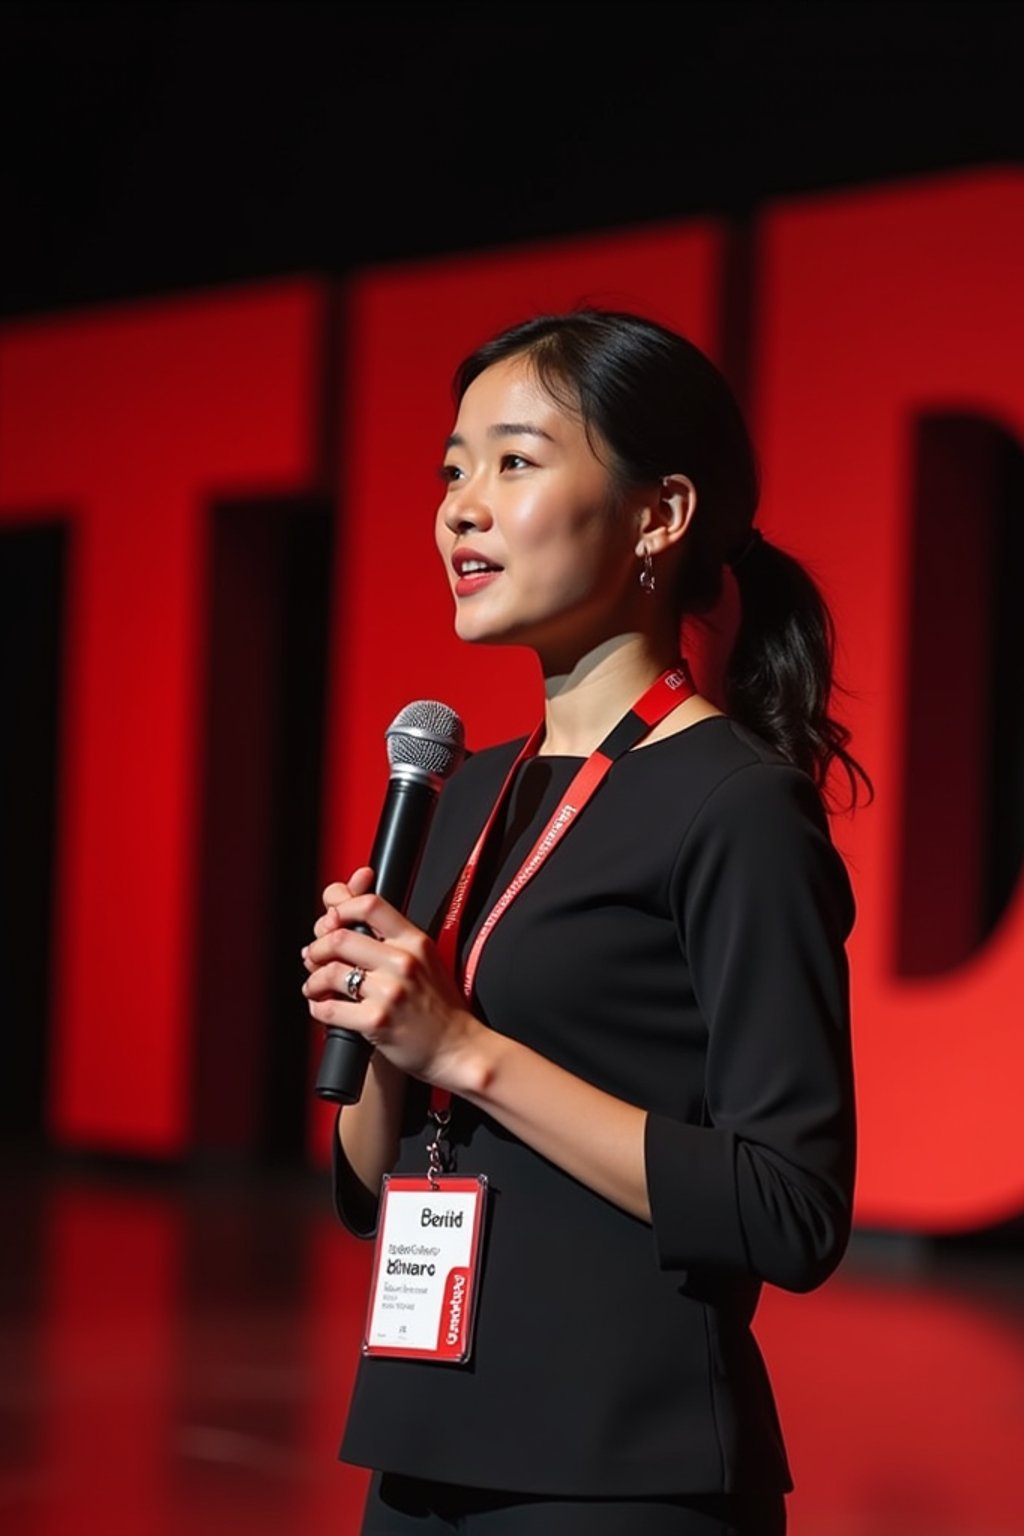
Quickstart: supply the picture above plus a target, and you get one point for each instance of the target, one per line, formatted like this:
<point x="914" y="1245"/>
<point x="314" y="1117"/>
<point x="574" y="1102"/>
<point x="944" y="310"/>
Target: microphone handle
<point x="409" y="806"/>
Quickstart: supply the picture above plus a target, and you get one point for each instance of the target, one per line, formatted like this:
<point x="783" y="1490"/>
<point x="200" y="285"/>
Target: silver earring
<point x="647" y="572"/>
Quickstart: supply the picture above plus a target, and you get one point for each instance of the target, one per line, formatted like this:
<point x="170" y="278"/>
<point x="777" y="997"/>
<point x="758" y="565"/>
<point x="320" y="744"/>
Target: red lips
<point x="474" y="571"/>
<point x="463" y="557"/>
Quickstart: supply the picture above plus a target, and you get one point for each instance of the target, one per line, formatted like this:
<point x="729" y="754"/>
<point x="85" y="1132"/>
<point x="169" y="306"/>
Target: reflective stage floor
<point x="176" y="1354"/>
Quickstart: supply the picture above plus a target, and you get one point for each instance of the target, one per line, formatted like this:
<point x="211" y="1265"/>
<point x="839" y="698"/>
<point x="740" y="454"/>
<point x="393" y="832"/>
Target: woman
<point x="649" y="1057"/>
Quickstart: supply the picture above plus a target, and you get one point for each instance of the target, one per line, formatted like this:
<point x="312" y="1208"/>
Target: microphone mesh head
<point x="428" y="736"/>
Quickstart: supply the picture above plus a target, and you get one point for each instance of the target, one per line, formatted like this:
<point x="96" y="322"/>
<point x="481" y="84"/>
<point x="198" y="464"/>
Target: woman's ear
<point x="665" y="514"/>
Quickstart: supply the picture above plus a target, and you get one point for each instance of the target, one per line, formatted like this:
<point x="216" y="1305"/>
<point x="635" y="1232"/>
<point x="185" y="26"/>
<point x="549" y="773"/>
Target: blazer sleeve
<point x="763" y="907"/>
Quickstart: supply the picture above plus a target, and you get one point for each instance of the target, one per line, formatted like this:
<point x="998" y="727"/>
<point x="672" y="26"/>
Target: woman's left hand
<point x="408" y="1006"/>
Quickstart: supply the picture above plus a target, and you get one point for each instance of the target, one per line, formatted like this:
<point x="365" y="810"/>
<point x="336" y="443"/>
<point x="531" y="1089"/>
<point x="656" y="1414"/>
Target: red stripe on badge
<point x="451" y="1332"/>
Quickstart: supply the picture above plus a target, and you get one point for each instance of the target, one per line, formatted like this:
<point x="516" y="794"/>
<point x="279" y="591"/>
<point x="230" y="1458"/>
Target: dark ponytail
<point x="780" y="675"/>
<point x="656" y="406"/>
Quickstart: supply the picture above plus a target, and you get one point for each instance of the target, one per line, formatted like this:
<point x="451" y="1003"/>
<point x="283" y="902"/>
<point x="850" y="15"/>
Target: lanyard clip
<point x="438" y="1154"/>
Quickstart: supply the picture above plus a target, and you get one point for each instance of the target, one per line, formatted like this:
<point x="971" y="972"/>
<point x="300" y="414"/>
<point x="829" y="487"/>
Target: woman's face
<point x="536" y="550"/>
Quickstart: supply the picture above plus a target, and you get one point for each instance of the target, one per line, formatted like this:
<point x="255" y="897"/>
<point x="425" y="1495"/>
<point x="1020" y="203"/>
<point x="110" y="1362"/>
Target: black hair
<point x="659" y="406"/>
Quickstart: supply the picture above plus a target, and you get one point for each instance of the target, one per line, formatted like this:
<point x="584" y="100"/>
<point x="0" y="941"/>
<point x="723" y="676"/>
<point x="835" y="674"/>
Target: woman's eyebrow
<point x="503" y="429"/>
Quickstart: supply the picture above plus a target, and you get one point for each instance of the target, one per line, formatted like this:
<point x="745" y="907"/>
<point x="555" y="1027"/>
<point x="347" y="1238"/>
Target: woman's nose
<point x="465" y="510"/>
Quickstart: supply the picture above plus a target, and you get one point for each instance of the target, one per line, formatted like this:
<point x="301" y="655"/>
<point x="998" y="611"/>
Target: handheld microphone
<point x="425" y="745"/>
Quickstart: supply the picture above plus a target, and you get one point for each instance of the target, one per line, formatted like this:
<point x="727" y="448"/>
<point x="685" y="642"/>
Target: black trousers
<point x="409" y="1506"/>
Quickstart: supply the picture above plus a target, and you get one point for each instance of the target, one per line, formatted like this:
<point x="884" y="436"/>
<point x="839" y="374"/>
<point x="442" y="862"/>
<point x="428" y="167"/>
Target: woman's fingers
<point x="377" y="914"/>
<point x="331" y="981"/>
<point x="334" y="1008"/>
<point x="359" y="882"/>
<point x="326" y="924"/>
<point x="348" y="948"/>
<point x="333" y="935"/>
<point x="374" y="989"/>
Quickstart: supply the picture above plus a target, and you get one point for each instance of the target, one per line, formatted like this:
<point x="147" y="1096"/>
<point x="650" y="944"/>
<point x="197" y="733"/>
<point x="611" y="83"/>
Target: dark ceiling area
<point x="155" y="147"/>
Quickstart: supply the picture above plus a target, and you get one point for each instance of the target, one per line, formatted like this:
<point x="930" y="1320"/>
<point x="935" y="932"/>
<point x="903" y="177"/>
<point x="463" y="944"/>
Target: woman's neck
<point x="583" y="704"/>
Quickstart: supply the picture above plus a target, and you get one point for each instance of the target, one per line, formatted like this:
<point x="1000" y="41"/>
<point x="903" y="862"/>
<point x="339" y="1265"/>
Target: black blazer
<point x="683" y="949"/>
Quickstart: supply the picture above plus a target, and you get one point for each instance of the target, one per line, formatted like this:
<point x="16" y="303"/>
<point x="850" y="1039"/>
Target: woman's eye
<point x="449" y="473"/>
<point x="514" y="461"/>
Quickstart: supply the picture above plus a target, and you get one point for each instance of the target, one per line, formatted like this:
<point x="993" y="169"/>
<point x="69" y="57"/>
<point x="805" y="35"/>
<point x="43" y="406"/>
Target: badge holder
<point x="426" y="1263"/>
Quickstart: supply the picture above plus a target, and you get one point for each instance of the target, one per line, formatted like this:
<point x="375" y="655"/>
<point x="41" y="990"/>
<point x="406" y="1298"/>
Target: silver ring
<point x="353" y="983"/>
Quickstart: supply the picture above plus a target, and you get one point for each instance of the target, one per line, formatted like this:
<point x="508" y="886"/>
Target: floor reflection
<point x="177" y="1354"/>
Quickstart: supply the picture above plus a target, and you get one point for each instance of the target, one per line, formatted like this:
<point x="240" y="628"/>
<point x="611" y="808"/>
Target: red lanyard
<point x="671" y="688"/>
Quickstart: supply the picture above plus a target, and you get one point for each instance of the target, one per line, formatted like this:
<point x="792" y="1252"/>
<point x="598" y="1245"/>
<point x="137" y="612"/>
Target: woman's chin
<point x="478" y="629"/>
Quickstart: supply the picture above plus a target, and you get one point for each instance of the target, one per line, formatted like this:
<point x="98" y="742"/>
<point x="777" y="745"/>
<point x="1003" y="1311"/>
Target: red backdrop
<point x="874" y="309"/>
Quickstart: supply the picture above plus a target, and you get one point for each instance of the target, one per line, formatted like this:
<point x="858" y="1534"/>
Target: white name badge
<point x="425" y="1268"/>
